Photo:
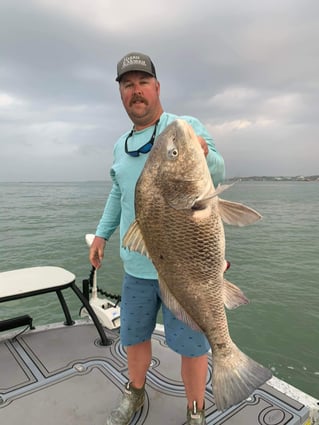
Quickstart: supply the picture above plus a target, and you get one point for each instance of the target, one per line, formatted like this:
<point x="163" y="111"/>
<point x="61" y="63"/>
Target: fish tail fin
<point x="235" y="378"/>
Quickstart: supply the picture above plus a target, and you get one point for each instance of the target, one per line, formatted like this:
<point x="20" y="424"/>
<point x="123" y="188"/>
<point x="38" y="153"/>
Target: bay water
<point x="275" y="262"/>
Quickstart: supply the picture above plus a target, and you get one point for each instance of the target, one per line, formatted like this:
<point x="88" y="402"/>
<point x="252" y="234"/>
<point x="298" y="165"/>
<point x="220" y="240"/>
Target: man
<point x="140" y="94"/>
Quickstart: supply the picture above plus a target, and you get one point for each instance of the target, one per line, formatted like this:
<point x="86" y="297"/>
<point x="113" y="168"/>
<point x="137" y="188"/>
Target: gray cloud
<point x="248" y="70"/>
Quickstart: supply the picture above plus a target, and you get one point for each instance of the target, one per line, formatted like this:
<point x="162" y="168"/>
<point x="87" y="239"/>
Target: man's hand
<point x="96" y="253"/>
<point x="203" y="144"/>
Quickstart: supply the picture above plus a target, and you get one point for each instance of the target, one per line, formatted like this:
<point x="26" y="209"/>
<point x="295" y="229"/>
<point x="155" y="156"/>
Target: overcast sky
<point x="249" y="70"/>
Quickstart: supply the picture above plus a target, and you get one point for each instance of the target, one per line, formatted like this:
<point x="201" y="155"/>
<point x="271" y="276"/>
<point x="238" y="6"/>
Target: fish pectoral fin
<point x="213" y="192"/>
<point x="233" y="296"/>
<point x="174" y="306"/>
<point x="237" y="214"/>
<point x="221" y="188"/>
<point x="182" y="197"/>
<point x="134" y="241"/>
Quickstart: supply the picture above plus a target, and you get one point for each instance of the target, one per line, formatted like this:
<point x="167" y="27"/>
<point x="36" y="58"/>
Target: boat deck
<point x="62" y="375"/>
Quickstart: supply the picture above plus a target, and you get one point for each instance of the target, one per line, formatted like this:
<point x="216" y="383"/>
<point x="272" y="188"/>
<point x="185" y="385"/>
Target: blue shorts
<point x="141" y="301"/>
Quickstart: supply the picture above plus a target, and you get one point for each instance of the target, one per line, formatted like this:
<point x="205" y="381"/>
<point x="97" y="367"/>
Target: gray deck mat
<point x="63" y="376"/>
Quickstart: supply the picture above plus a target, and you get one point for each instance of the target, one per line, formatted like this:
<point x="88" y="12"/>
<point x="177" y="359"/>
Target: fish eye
<point x="173" y="153"/>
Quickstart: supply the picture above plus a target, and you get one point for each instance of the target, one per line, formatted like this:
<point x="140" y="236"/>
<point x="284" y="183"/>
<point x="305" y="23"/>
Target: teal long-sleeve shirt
<point x="119" y="208"/>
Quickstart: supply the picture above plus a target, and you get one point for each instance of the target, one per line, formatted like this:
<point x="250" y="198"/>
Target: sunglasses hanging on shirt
<point x="143" y="149"/>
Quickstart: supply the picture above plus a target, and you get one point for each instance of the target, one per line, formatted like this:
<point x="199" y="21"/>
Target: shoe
<point x="195" y="416"/>
<point x="132" y="400"/>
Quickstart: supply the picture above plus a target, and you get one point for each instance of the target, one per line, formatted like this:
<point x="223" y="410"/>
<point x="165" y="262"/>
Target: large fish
<point x="179" y="227"/>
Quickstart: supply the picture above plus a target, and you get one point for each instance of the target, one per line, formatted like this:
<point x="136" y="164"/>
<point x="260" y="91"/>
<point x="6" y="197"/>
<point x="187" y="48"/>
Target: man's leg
<point x="193" y="347"/>
<point x="194" y="375"/>
<point x="139" y="358"/>
<point x="139" y="307"/>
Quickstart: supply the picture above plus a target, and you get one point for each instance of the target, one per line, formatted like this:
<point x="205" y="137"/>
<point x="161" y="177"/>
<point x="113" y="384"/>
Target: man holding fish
<point x="146" y="286"/>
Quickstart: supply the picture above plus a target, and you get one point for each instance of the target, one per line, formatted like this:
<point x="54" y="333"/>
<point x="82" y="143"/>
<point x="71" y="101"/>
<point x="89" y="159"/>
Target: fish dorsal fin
<point x="237" y="214"/>
<point x="233" y="296"/>
<point x="134" y="241"/>
<point x="172" y="304"/>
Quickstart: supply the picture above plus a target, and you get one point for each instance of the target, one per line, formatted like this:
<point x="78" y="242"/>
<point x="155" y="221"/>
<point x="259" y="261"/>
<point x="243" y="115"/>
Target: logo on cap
<point x="133" y="60"/>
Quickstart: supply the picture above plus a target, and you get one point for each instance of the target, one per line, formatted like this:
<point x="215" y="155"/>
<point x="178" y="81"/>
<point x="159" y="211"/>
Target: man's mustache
<point x="138" y="98"/>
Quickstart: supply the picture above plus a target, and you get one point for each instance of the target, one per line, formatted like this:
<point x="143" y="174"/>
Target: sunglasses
<point x="143" y="149"/>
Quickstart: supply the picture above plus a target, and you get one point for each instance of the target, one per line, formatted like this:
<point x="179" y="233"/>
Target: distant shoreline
<point x="277" y="178"/>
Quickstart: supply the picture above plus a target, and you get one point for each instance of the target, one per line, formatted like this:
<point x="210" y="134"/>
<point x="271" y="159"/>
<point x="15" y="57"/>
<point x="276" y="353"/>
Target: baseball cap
<point x="135" y="61"/>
